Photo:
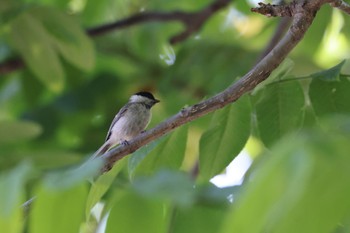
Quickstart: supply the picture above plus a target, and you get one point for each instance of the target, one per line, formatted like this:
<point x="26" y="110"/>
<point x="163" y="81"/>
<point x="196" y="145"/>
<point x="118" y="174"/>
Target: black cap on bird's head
<point x="147" y="95"/>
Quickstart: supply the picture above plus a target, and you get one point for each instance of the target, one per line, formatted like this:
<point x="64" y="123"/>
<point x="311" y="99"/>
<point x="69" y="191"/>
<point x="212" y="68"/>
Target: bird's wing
<point x="121" y="113"/>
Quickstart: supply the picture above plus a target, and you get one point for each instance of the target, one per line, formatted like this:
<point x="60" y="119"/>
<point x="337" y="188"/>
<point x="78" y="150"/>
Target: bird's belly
<point x="127" y="129"/>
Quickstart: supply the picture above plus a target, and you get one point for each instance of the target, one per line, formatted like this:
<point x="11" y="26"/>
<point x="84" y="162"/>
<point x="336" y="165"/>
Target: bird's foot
<point x="125" y="143"/>
<point x="143" y="131"/>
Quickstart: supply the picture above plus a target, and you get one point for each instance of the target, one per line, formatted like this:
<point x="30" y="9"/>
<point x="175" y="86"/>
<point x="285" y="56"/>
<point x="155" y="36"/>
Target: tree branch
<point x="303" y="13"/>
<point x="193" y="22"/>
<point x="11" y="65"/>
<point x="341" y="5"/>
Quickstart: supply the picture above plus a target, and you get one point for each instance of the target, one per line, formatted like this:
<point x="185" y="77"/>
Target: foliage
<point x="55" y="112"/>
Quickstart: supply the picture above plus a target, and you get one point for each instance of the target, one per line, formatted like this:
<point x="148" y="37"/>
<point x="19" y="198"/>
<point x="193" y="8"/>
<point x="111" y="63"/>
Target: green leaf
<point x="101" y="186"/>
<point x="274" y="180"/>
<point x="198" y="219"/>
<point x="58" y="210"/>
<point x="166" y="185"/>
<point x="330" y="97"/>
<point x="68" y="37"/>
<point x="279" y="73"/>
<point x="137" y="157"/>
<point x="280" y="110"/>
<point x="12" y="196"/>
<point x="9" y="10"/>
<point x="314" y="41"/>
<point x="76" y="175"/>
<point x="200" y="55"/>
<point x="300" y="186"/>
<point x="336" y="123"/>
<point x="210" y="194"/>
<point x="42" y="159"/>
<point x="226" y="137"/>
<point x="168" y="154"/>
<point x="17" y="131"/>
<point x="61" y="199"/>
<point x="243" y="6"/>
<point x="331" y="74"/>
<point x="31" y="40"/>
<point x="132" y="213"/>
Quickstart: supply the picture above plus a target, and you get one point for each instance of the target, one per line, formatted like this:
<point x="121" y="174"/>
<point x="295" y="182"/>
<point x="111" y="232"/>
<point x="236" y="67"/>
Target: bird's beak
<point x="156" y="101"/>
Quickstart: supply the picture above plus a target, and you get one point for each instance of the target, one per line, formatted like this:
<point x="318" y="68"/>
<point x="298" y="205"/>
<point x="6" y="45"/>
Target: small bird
<point x="130" y="121"/>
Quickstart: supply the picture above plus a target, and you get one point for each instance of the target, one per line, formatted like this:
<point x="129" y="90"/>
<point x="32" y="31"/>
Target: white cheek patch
<point x="137" y="98"/>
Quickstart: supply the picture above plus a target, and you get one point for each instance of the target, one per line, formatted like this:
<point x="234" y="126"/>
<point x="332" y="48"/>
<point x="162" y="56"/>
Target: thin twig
<point x="281" y="29"/>
<point x="27" y="205"/>
<point x="303" y="15"/>
<point x="193" y="22"/>
<point x="272" y="10"/>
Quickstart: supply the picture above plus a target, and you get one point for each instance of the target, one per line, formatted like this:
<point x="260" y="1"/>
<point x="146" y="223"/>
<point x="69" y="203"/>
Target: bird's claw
<point x="125" y="143"/>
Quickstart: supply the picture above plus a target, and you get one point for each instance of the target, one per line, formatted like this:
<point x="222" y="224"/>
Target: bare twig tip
<point x="272" y="10"/>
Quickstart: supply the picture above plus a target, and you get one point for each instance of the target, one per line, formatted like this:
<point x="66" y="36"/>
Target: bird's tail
<point x="101" y="150"/>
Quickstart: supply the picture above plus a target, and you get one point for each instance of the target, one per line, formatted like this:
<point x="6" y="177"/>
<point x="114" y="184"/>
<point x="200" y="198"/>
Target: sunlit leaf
<point x="226" y="137"/>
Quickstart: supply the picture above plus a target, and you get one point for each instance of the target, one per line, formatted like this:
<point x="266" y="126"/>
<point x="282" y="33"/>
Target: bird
<point x="131" y="120"/>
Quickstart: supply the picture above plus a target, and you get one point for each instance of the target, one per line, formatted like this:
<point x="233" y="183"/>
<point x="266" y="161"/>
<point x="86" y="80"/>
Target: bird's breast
<point x="131" y="124"/>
